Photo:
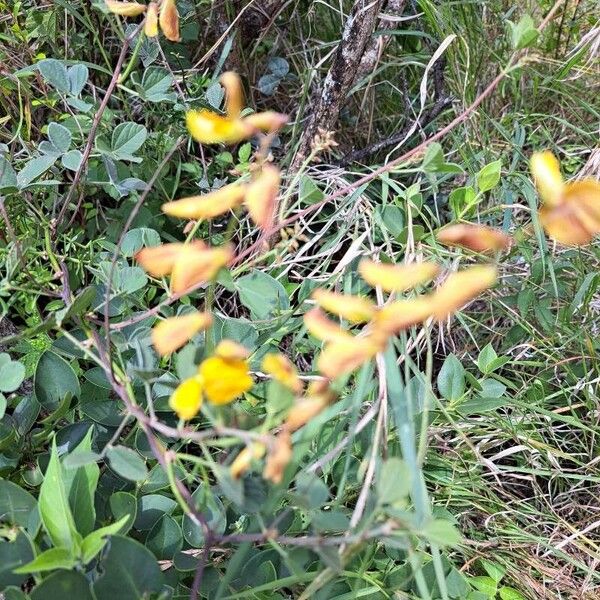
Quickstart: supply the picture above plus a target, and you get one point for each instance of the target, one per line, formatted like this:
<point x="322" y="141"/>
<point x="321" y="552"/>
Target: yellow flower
<point x="243" y="461"/>
<point x="402" y="314"/>
<point x="151" y="22"/>
<point x="322" y="328"/>
<point x="186" y="400"/>
<point x="125" y="9"/>
<point x="280" y="454"/>
<point x="158" y="261"/>
<point x="478" y="238"/>
<point x="396" y="278"/>
<point x="283" y="371"/>
<point x="261" y="196"/>
<point x="225" y="378"/>
<point x="352" y="308"/>
<point x="570" y="212"/>
<point x="172" y="333"/>
<point x="209" y="127"/>
<point x="460" y="288"/>
<point x="208" y="205"/>
<point x="196" y="265"/>
<point x="169" y="20"/>
<point x="343" y="356"/>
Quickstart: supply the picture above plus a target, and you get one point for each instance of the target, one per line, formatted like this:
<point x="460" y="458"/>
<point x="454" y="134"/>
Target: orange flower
<point x="125" y="9"/>
<point x="172" y="333"/>
<point x="208" y="205"/>
<point x="322" y="328"/>
<point x="355" y="309"/>
<point x="396" y="278"/>
<point x="283" y="371"/>
<point x="151" y="22"/>
<point x="570" y="212"/>
<point x="261" y="196"/>
<point x="280" y="454"/>
<point x="402" y="314"/>
<point x="460" y="288"/>
<point x="478" y="238"/>
<point x="243" y="461"/>
<point x="343" y="356"/>
<point x="169" y="20"/>
<point x="195" y="265"/>
<point x="158" y="261"/>
<point x="209" y="127"/>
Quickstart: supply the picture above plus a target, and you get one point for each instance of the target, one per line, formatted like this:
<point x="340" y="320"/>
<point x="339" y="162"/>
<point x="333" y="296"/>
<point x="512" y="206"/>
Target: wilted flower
<point x="243" y="461"/>
<point x="478" y="238"/>
<point x="225" y="376"/>
<point x="209" y="127"/>
<point x="172" y="333"/>
<point x="261" y="196"/>
<point x="279" y="456"/>
<point x="343" y="356"/>
<point x="570" y="212"/>
<point x="283" y="371"/>
<point x="355" y="309"/>
<point x="196" y="265"/>
<point x="318" y="397"/>
<point x="207" y="206"/>
<point x="186" y="400"/>
<point x="460" y="288"/>
<point x="158" y="261"/>
<point x="169" y="20"/>
<point x="167" y="16"/>
<point x="323" y="328"/>
<point x="402" y="314"/>
<point x="151" y="22"/>
<point x="397" y="278"/>
<point x="125" y="9"/>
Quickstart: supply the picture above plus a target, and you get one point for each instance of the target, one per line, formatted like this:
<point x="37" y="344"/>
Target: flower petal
<point x="478" y="238"/>
<point x="460" y="288"/>
<point x="342" y="357"/>
<point x="278" y="458"/>
<point x="125" y="9"/>
<point x="261" y="196"/>
<point x="225" y="379"/>
<point x="283" y="371"/>
<point x="208" y="127"/>
<point x="304" y="410"/>
<point x="151" y="22"/>
<point x="208" y="205"/>
<point x="229" y="349"/>
<point x="169" y="20"/>
<point x="396" y="278"/>
<point x="234" y="97"/>
<point x="402" y="314"/>
<point x="243" y="461"/>
<point x="186" y="400"/>
<point x="172" y="333"/>
<point x="355" y="309"/>
<point x="323" y="328"/>
<point x="548" y="179"/>
<point x="268" y="121"/>
<point x="195" y="266"/>
<point x="158" y="261"/>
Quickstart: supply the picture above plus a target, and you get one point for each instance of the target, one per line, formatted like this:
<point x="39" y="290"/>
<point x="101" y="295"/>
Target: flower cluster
<point x="163" y="14"/>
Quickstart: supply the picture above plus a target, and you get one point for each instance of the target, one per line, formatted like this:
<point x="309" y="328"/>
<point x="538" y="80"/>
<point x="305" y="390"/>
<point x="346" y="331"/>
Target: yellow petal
<point x="172" y="333"/>
<point x="304" y="410"/>
<point x="268" y="121"/>
<point x="195" y="266"/>
<point x="261" y="196"/>
<point x="225" y="379"/>
<point x="186" y="400"/>
<point x="125" y="9"/>
<point x="548" y="179"/>
<point x="460" y="288"/>
<point x="396" y="278"/>
<point x="342" y="357"/>
<point x="234" y="98"/>
<point x="283" y="371"/>
<point x="229" y="349"/>
<point x="158" y="261"/>
<point x="208" y="205"/>
<point x="352" y="308"/>
<point x="323" y="328"/>
<point x="208" y="127"/>
<point x="402" y="314"/>
<point x="169" y="20"/>
<point x="279" y="457"/>
<point x="243" y="461"/>
<point x="478" y="238"/>
<point x="151" y="22"/>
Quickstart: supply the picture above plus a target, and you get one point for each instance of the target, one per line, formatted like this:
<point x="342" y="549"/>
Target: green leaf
<point x="127" y="138"/>
<point x="127" y="463"/>
<point x="486" y="585"/>
<point x="53" y="380"/>
<point x="310" y="193"/>
<point x="494" y="570"/>
<point x="489" y="177"/>
<point x="264" y="296"/>
<point x="311" y="489"/>
<point x="441" y="532"/>
<point x="165" y="538"/>
<point x="451" y="379"/>
<point x="55" y="73"/>
<point x="486" y="357"/>
<point x="55" y="558"/>
<point x="508" y="593"/>
<point x="61" y="585"/>
<point x="16" y="504"/>
<point x="129" y="572"/>
<point x="393" y="483"/>
<point x="60" y="137"/>
<point x="130" y="279"/>
<point x="212" y="508"/>
<point x="524" y="33"/>
<point x="78" y="76"/>
<point x="34" y="168"/>
<point x="72" y="160"/>
<point x="461" y="200"/>
<point x="136" y="239"/>
<point x="94" y="542"/>
<point x="157" y="85"/>
<point x="2" y="408"/>
<point x="8" y="177"/>
<point x="54" y="506"/>
<point x="124" y="504"/>
<point x="12" y="555"/>
<point x="12" y="373"/>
